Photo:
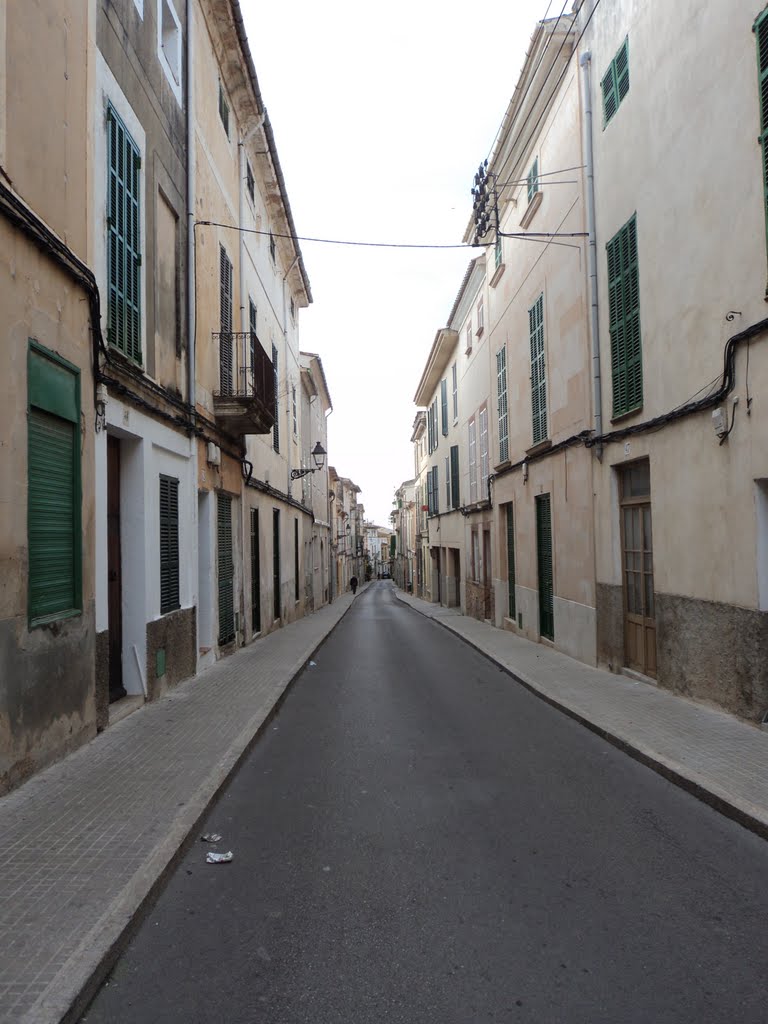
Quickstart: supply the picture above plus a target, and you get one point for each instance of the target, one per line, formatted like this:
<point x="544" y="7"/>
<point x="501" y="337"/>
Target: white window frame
<point x="472" y="460"/>
<point x="164" y="49"/>
<point x="480" y="317"/>
<point x="484" y="466"/>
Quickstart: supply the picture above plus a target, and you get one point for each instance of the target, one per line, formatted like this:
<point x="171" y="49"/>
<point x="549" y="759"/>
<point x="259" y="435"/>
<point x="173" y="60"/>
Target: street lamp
<point x="318" y="454"/>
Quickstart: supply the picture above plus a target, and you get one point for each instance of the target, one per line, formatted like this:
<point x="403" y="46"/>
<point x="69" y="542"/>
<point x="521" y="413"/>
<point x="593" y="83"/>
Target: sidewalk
<point x="718" y="758"/>
<point x="83" y="844"/>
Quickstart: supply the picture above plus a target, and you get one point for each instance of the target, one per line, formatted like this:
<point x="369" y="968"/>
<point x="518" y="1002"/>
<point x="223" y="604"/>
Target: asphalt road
<point x="418" y="839"/>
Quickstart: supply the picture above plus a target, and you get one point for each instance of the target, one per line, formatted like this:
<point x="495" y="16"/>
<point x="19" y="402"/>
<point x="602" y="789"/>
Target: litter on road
<point x="218" y="858"/>
<point x="210" y="837"/>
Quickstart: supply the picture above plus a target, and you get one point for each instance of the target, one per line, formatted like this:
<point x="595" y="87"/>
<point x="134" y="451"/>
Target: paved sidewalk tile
<point x="83" y="843"/>
<point x="719" y="758"/>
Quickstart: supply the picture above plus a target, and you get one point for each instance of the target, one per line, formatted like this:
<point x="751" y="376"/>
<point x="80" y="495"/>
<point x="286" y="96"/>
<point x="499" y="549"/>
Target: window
<point x="223" y="109"/>
<point x="54" y="535"/>
<point x="169" y="544"/>
<point x="293" y="309"/>
<point x="501" y="398"/>
<point x="432" y="427"/>
<point x="538" y="370"/>
<point x="225" y="310"/>
<point x="430" y="502"/>
<point x="761" y="35"/>
<point x="484" y="467"/>
<point x="252" y="343"/>
<point x="249" y="182"/>
<point x="472" y="461"/>
<point x="615" y="83"/>
<point x="276" y="427"/>
<point x="455" y="386"/>
<point x="447" y="482"/>
<point x="435" y="491"/>
<point x="454" y="502"/>
<point x="468" y="348"/>
<point x="624" y="320"/>
<point x="444" y="406"/>
<point x="123" y="239"/>
<point x="480" y="318"/>
<point x="498" y="251"/>
<point x="169" y="32"/>
<point x="272" y="247"/>
<point x="294" y="415"/>
<point x="533" y="180"/>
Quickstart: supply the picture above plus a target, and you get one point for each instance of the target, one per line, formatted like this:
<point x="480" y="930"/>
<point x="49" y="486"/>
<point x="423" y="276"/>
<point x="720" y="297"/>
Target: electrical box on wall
<point x="214" y="454"/>
<point x="720" y="421"/>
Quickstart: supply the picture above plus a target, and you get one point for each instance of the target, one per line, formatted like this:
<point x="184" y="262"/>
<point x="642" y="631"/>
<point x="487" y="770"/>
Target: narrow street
<point x="416" y="838"/>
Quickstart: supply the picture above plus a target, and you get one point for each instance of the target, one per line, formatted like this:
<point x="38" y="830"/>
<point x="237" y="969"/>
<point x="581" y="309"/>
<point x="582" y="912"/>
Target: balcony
<point x="245" y="400"/>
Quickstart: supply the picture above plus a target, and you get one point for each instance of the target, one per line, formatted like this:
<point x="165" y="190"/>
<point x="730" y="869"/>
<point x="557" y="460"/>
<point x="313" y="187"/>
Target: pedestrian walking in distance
<point x="353" y="584"/>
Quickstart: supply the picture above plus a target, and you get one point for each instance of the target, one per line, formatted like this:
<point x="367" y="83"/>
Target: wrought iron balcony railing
<point x="244" y="401"/>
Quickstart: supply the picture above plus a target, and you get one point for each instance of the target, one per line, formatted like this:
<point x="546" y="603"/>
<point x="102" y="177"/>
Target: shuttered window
<point x="538" y="370"/>
<point x="484" y="461"/>
<point x="223" y="109"/>
<point x="430" y="501"/>
<point x="252" y="343"/>
<point x="455" y="476"/>
<point x="226" y="570"/>
<point x="53" y="490"/>
<point x="761" y="35"/>
<point x="472" y="460"/>
<point x="447" y="482"/>
<point x="123" y="239"/>
<point x="533" y="180"/>
<point x="255" y="573"/>
<point x="276" y="427"/>
<point x="444" y="406"/>
<point x="501" y="400"/>
<point x="435" y="490"/>
<point x="615" y="83"/>
<point x="544" y="558"/>
<point x="511" y="559"/>
<point x="624" y="320"/>
<point x="169" y="544"/>
<point x="455" y="386"/>
<point x="225" y="308"/>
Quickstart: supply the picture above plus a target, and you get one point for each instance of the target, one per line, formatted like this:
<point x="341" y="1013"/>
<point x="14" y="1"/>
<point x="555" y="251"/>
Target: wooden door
<point x="114" y="572"/>
<point x="637" y="570"/>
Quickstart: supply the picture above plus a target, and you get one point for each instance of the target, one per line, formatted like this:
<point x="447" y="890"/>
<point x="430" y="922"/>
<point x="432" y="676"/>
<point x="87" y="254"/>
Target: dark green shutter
<point x="276" y="427"/>
<point x="538" y="370"/>
<point x="276" y="581"/>
<point x="123" y="239"/>
<point x="52" y="515"/>
<point x="255" y="573"/>
<point x="544" y="558"/>
<point x="444" y="405"/>
<point x="455" y="502"/>
<point x="615" y="83"/>
<point x="226" y="570"/>
<point x="624" y="320"/>
<point x="511" y="559"/>
<point x="761" y="35"/>
<point x="169" y="544"/>
<point x="435" y="489"/>
<point x="225" y="308"/>
<point x="430" y="507"/>
<point x="223" y="109"/>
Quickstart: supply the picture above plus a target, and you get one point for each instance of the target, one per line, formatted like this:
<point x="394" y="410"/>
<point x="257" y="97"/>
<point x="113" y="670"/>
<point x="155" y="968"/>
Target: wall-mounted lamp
<point x="318" y="454"/>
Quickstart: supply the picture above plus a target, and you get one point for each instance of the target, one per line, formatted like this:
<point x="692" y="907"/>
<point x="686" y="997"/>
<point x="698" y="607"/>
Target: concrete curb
<point x="68" y="996"/>
<point x="746" y="814"/>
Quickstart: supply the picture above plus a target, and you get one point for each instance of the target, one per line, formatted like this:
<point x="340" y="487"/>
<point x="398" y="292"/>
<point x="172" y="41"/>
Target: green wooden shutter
<point x="761" y="35"/>
<point x="276" y="380"/>
<point x="435" y="489"/>
<point x="52" y="516"/>
<point x="255" y="573"/>
<point x="615" y="83"/>
<point x="544" y="558"/>
<point x="169" y="544"/>
<point x="123" y="239"/>
<point x="455" y="500"/>
<point x="624" y="320"/>
<point x="501" y="403"/>
<point x="225" y="307"/>
<point x="511" y="559"/>
<point x="444" y="405"/>
<point x="226" y="570"/>
<point x="538" y="370"/>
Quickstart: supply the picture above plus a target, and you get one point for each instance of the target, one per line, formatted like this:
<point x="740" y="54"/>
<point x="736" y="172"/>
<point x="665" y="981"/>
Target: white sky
<point x="382" y="114"/>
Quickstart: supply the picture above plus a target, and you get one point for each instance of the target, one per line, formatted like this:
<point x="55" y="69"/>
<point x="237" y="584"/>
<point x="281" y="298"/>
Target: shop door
<point x="226" y="569"/>
<point x="114" y="572"/>
<point x="637" y="569"/>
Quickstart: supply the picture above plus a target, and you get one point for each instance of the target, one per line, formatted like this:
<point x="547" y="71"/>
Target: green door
<point x="544" y="557"/>
<point x="226" y="570"/>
